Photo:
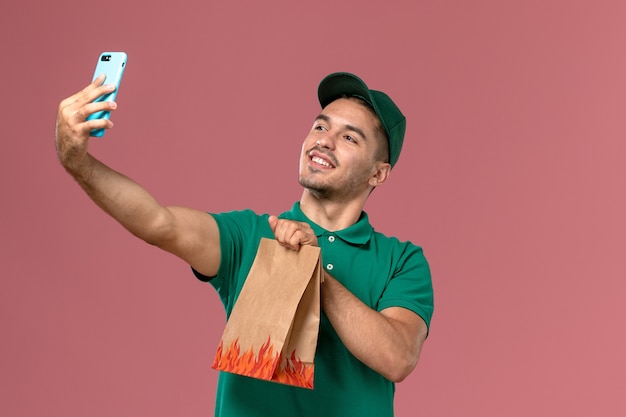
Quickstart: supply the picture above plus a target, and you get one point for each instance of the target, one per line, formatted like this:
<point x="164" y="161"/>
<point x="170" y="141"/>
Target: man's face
<point x="338" y="154"/>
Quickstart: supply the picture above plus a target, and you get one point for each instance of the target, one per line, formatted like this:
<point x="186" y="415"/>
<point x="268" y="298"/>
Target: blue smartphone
<point x="112" y="64"/>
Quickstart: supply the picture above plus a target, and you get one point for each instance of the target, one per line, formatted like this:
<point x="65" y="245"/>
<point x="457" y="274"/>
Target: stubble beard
<point x="317" y="188"/>
<point x="342" y="191"/>
<point x="339" y="190"/>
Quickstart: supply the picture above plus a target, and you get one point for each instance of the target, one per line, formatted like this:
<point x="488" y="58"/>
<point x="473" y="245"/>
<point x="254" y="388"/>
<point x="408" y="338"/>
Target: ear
<point x="380" y="174"/>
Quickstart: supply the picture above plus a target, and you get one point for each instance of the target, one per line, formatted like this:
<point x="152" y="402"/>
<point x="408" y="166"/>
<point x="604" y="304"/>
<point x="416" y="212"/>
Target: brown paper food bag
<point x="272" y="330"/>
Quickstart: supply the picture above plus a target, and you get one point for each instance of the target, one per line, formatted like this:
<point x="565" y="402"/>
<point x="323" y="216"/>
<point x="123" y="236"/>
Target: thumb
<point x="273" y="221"/>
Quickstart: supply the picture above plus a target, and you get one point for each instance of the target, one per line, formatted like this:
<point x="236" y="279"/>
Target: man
<point x="376" y="297"/>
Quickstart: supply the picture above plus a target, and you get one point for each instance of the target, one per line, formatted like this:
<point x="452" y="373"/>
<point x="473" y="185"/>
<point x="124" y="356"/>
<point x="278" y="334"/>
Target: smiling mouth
<point x="320" y="161"/>
<point x="317" y="159"/>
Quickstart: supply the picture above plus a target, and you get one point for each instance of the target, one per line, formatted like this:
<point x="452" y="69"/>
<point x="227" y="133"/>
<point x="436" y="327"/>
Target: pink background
<point x="512" y="179"/>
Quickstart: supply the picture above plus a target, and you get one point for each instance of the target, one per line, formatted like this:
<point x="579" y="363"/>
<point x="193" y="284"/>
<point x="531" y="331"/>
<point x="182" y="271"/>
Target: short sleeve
<point x="240" y="233"/>
<point x="410" y="286"/>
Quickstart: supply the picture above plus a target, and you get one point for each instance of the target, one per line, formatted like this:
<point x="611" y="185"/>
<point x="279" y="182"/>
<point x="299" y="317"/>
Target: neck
<point x="329" y="214"/>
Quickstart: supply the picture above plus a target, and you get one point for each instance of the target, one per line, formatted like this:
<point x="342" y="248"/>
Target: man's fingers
<point x="93" y="91"/>
<point x="97" y="124"/>
<point x="81" y="104"/>
<point x="273" y="221"/>
<point x="292" y="234"/>
<point x="75" y="116"/>
<point x="283" y="231"/>
<point x="72" y="126"/>
<point x="84" y="92"/>
<point x="98" y="106"/>
<point x="99" y="79"/>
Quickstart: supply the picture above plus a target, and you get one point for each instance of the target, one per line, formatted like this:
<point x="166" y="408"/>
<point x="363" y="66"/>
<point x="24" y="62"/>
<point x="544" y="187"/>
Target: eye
<point x="319" y="127"/>
<point x="350" y="138"/>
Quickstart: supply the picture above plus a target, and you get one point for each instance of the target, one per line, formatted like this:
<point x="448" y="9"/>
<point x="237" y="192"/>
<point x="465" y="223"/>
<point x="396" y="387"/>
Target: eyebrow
<point x="355" y="129"/>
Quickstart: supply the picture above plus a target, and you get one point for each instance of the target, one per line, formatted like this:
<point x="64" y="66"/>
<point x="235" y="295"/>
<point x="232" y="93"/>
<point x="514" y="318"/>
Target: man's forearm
<point x="122" y="198"/>
<point x="387" y="345"/>
<point x="189" y="234"/>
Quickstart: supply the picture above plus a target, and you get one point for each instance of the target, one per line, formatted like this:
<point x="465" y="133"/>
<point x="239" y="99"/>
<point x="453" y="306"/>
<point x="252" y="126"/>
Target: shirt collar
<point x="357" y="234"/>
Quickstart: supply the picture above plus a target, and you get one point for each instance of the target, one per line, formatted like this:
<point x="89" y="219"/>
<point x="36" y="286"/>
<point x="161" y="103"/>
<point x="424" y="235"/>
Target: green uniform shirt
<point x="381" y="271"/>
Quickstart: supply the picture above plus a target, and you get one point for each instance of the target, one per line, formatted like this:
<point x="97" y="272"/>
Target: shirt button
<point x="329" y="267"/>
<point x="331" y="239"/>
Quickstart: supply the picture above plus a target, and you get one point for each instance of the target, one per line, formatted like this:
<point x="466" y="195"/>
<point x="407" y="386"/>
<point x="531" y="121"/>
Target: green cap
<point x="337" y="84"/>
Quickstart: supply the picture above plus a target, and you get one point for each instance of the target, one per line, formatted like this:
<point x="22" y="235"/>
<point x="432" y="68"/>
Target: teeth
<point x="320" y="161"/>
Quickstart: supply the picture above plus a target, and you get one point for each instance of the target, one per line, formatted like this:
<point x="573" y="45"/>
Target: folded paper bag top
<point x="272" y="331"/>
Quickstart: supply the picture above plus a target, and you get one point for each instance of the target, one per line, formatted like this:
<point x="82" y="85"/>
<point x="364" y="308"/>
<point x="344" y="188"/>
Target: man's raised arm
<point x="189" y="234"/>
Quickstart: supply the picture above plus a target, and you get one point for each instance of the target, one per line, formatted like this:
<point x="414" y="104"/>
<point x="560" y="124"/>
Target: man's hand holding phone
<point x="87" y="112"/>
<point x="72" y="127"/>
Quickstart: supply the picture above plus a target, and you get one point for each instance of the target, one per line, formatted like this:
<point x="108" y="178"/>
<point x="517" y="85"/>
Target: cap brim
<point x="335" y="85"/>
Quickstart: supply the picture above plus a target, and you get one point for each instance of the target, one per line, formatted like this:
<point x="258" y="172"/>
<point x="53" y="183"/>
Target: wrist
<point x="78" y="166"/>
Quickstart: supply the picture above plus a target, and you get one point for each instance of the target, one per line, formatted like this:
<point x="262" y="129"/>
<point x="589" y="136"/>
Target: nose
<point x="326" y="141"/>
